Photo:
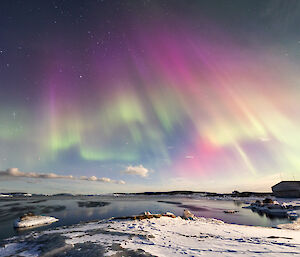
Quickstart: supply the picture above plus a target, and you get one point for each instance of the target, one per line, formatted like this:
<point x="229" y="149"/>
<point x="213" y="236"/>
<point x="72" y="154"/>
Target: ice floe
<point x="31" y="220"/>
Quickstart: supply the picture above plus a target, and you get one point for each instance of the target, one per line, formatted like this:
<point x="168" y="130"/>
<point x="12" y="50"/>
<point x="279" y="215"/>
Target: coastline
<point x="157" y="237"/>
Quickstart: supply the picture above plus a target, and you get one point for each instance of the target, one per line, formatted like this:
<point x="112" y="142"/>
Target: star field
<point x="204" y="94"/>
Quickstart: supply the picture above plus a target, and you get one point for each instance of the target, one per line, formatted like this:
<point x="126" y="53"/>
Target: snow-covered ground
<point x="157" y="237"/>
<point x="291" y="201"/>
<point x="294" y="225"/>
<point x="3" y="195"/>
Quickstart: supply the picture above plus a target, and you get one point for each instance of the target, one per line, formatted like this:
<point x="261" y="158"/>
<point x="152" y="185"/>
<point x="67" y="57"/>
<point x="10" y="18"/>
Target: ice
<point x="32" y="221"/>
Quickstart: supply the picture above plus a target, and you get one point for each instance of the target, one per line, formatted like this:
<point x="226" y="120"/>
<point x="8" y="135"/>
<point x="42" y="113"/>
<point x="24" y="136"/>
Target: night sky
<point x="149" y="95"/>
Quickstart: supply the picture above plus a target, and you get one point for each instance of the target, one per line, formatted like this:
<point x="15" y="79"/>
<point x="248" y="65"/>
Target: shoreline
<point x="162" y="236"/>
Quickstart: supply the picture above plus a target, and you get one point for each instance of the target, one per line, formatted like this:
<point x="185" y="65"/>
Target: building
<point x="287" y="189"/>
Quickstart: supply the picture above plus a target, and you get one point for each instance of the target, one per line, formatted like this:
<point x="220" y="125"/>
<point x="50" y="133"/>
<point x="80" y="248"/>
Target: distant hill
<point x="179" y="192"/>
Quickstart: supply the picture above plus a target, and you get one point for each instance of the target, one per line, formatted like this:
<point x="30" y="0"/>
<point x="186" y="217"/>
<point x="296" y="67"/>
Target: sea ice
<point x="34" y="220"/>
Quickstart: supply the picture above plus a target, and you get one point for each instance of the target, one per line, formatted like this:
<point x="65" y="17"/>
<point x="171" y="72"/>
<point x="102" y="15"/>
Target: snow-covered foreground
<point x="157" y="237"/>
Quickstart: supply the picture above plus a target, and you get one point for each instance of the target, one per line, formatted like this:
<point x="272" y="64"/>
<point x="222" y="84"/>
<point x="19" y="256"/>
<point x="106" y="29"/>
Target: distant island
<point x="176" y="192"/>
<point x="179" y="192"/>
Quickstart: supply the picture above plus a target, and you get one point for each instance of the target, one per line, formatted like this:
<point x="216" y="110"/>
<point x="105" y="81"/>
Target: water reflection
<point x="73" y="210"/>
<point x="237" y="203"/>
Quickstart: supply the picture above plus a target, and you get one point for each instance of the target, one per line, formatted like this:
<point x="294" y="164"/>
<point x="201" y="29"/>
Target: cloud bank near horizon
<point x="139" y="170"/>
<point x="16" y="173"/>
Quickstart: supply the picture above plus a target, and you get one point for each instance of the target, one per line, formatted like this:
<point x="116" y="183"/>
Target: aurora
<point x="180" y="87"/>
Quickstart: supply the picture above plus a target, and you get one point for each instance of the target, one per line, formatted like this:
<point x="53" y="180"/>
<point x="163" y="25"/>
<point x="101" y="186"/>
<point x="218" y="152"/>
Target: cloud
<point x="104" y="179"/>
<point x="137" y="170"/>
<point x="189" y="157"/>
<point x="14" y="172"/>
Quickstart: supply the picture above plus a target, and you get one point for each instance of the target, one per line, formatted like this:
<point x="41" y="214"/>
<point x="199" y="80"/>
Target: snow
<point x="3" y="195"/>
<point x="294" y="225"/>
<point x="162" y="237"/>
<point x="288" y="201"/>
<point x="31" y="221"/>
